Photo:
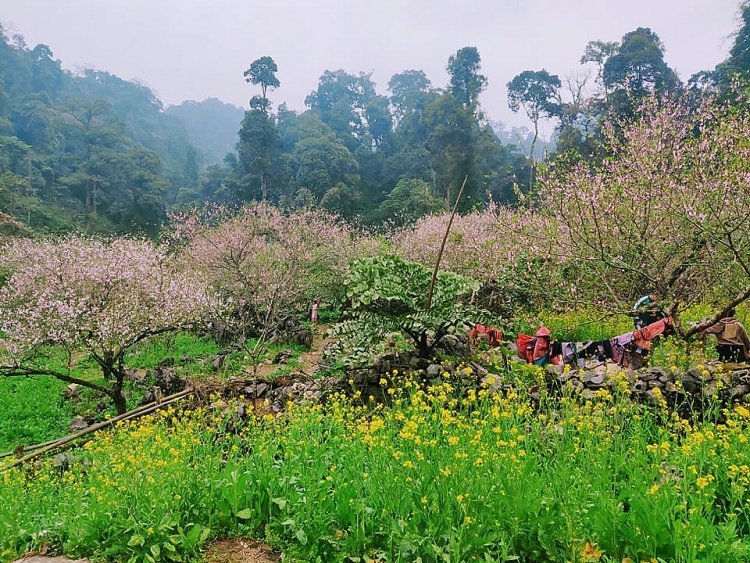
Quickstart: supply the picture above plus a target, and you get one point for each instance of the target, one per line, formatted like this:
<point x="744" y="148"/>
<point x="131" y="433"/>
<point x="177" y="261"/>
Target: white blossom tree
<point x="99" y="296"/>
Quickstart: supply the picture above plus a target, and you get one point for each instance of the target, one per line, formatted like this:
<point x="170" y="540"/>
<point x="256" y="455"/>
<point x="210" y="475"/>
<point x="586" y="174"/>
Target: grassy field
<point x="32" y="411"/>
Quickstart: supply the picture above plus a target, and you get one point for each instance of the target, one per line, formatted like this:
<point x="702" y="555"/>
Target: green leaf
<point x="192" y="536"/>
<point x="245" y="513"/>
<point x="169" y="547"/>
<point x="301" y="536"/>
<point x="136" y="540"/>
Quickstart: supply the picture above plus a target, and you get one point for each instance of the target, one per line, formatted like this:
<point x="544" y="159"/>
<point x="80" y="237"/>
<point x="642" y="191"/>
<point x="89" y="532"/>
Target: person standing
<point x="314" y="312"/>
<point x="733" y="343"/>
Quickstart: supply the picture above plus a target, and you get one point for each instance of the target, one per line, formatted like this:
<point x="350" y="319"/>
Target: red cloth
<point x="542" y="344"/>
<point x="525" y="344"/>
<point x="642" y="337"/>
<point x="494" y="334"/>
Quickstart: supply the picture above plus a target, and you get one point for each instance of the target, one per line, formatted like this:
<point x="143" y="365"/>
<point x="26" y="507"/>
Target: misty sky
<point x="193" y="49"/>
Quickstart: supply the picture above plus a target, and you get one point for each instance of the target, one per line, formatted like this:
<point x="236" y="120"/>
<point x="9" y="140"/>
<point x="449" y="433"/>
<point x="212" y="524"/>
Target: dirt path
<point x="309" y="359"/>
<point x="238" y="550"/>
<point x="232" y="550"/>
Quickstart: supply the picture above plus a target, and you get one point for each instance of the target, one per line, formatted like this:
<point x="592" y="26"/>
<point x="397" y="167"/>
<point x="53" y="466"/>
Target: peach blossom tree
<point x="102" y="296"/>
<point x="668" y="210"/>
<point x="485" y="246"/>
<point x="265" y="263"/>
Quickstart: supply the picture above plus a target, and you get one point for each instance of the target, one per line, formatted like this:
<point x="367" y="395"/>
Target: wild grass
<point x="192" y="354"/>
<point x="32" y="411"/>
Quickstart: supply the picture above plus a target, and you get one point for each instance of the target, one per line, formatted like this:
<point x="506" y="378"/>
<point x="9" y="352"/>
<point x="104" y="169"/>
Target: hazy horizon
<point x="193" y="50"/>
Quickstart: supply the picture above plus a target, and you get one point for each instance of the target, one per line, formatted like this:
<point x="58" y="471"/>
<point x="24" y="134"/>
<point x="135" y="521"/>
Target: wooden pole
<point x="442" y="246"/>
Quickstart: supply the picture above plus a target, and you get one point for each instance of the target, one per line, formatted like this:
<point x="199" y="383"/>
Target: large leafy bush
<point x="389" y="295"/>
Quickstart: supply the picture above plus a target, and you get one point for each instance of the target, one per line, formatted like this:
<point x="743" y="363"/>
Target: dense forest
<point x="90" y="152"/>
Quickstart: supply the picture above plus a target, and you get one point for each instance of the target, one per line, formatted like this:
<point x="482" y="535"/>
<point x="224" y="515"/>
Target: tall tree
<point x="263" y="165"/>
<point x="411" y="93"/>
<point x="538" y="93"/>
<point x="579" y="118"/>
<point x="342" y="101"/>
<point x="263" y="71"/>
<point x="735" y="67"/>
<point x="407" y="91"/>
<point x="466" y="83"/>
<point x="638" y="68"/>
<point x="599" y="52"/>
<point x="451" y="146"/>
<point x="739" y="55"/>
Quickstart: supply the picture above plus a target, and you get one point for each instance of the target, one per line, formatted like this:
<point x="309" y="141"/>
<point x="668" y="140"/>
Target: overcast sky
<point x="195" y="49"/>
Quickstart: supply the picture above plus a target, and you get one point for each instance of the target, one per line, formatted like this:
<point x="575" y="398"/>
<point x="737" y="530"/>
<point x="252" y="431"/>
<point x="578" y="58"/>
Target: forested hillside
<point x="85" y="151"/>
<point x="91" y="152"/>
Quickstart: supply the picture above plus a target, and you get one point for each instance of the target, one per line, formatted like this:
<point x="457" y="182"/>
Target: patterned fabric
<point x="542" y="346"/>
<point x="541" y="349"/>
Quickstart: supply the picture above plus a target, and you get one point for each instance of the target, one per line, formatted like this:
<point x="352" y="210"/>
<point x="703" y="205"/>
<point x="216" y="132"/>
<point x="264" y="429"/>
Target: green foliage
<point x="104" y="155"/>
<point x="175" y="349"/>
<point x="263" y="71"/>
<point x="87" y="152"/>
<point x="466" y="82"/>
<point x="328" y="315"/>
<point x="538" y="92"/>
<point x="471" y="477"/>
<point x="388" y="294"/>
<point x="409" y="200"/>
<point x="32" y="411"/>
<point x="263" y="168"/>
<point x="639" y="65"/>
<point x="580" y="325"/>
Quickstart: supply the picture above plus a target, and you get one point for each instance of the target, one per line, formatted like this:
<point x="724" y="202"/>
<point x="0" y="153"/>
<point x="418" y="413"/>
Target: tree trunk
<point x="117" y="376"/>
<point x="117" y="397"/>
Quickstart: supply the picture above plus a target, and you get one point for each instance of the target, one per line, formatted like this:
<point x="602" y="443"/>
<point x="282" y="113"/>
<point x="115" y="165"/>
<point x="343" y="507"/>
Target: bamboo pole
<point x="442" y="246"/>
<point x="135" y="413"/>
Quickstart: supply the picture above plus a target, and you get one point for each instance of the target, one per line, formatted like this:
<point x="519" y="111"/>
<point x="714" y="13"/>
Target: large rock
<point x="292" y="331"/>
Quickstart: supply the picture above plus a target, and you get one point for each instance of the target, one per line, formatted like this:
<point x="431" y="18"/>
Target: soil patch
<point x="239" y="550"/>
